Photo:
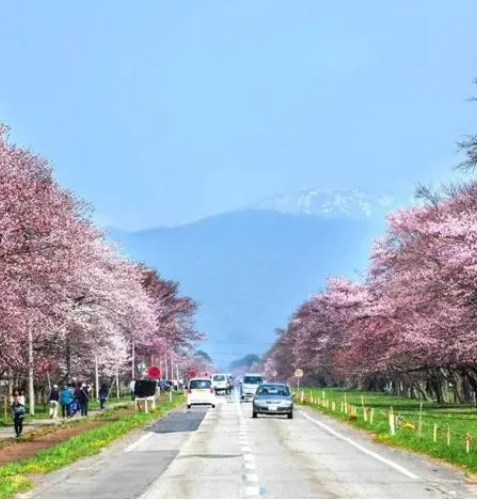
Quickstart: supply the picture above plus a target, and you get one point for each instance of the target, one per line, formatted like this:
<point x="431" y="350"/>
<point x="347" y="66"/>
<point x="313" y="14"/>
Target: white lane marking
<point x="248" y="458"/>
<point x="250" y="466"/>
<point x="245" y="449"/>
<point x="250" y="477"/>
<point x="250" y="491"/>
<point x="138" y="442"/>
<point x="371" y="453"/>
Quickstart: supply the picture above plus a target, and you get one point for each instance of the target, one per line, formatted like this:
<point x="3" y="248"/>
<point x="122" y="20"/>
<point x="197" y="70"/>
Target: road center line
<point x="376" y="456"/>
<point x="250" y="491"/>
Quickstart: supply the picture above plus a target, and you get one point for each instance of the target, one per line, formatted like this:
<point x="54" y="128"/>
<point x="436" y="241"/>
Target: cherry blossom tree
<point x="67" y="295"/>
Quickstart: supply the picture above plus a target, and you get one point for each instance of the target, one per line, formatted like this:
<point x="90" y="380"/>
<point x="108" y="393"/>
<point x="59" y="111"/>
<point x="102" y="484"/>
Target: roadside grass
<point x="14" y="477"/>
<point x="443" y="431"/>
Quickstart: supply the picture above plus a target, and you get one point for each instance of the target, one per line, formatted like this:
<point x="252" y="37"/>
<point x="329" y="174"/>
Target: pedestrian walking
<point x="103" y="395"/>
<point x="18" y="411"/>
<point x="54" y="400"/>
<point x="83" y="399"/>
<point x="74" y="390"/>
<point x="65" y="400"/>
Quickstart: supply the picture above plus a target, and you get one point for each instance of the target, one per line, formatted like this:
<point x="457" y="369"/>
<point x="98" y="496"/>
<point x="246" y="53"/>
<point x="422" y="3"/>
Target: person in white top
<point x="131" y="388"/>
<point x="17" y="406"/>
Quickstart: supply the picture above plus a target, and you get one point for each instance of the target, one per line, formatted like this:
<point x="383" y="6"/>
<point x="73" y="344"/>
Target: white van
<point x="200" y="392"/>
<point x="220" y="383"/>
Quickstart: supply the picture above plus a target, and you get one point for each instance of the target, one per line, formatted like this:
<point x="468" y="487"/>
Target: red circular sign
<point x="206" y="374"/>
<point x="154" y="372"/>
<point x="192" y="374"/>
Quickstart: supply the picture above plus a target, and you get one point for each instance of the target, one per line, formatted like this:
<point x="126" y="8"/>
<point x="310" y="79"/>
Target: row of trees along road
<point x="67" y="296"/>
<point x="410" y="325"/>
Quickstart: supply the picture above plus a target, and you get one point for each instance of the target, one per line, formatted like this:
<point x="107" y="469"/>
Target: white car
<point x="200" y="392"/>
<point x="220" y="383"/>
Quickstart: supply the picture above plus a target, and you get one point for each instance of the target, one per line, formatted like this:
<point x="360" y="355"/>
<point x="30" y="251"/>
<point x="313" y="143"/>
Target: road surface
<point x="223" y="453"/>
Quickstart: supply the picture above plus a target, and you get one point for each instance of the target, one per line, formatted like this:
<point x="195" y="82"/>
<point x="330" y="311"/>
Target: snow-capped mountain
<point x="330" y="203"/>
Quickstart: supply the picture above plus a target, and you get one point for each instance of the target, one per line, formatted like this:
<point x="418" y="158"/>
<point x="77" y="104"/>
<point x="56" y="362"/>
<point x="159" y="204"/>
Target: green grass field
<point x="14" y="477"/>
<point x="447" y="432"/>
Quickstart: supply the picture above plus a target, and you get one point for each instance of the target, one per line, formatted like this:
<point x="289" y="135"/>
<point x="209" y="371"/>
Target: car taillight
<point x="211" y="390"/>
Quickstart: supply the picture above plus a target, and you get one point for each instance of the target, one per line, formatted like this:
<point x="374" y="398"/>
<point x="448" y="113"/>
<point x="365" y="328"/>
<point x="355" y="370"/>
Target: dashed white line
<point x="376" y="456"/>
<point x="250" y="491"/>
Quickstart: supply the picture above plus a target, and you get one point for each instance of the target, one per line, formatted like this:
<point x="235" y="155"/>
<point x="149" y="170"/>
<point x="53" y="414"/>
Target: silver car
<point x="273" y="398"/>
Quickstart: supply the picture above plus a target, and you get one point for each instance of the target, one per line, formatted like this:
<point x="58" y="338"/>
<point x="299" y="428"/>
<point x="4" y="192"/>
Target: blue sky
<point x="162" y="112"/>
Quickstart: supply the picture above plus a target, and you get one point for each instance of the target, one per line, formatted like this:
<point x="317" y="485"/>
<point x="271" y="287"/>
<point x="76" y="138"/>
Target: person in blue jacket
<point x="65" y="401"/>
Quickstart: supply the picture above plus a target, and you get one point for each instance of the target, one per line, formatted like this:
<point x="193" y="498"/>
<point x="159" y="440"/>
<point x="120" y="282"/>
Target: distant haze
<point x="249" y="269"/>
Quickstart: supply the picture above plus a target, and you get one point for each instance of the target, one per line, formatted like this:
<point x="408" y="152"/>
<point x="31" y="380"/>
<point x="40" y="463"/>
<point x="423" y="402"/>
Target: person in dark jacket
<point x="54" y="400"/>
<point x="103" y="395"/>
<point x="83" y="399"/>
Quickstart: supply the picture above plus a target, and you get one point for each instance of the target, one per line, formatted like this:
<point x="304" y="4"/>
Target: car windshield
<point x="198" y="384"/>
<point x="273" y="390"/>
<point x="253" y="380"/>
<point x="219" y="377"/>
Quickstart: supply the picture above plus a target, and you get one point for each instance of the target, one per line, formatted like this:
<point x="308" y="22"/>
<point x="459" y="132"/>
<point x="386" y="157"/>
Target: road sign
<point x="192" y="374"/>
<point x="298" y="373"/>
<point x="154" y="372"/>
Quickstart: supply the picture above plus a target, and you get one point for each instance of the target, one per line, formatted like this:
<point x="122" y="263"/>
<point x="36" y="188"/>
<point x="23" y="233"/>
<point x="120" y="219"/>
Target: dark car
<point x="273" y="398"/>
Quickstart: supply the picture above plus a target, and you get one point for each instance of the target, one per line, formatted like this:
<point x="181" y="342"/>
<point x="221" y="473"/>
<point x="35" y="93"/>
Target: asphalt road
<point x="223" y="453"/>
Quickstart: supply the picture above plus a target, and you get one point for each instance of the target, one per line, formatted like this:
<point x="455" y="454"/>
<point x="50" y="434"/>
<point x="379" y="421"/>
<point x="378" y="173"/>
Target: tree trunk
<point x="133" y="360"/>
<point x="96" y="377"/>
<point x="68" y="357"/>
<point x="473" y="383"/>
<point x="423" y="392"/>
<point x="31" y="374"/>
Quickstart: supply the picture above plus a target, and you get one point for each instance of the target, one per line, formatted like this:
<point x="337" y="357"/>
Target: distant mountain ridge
<point x="249" y="269"/>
